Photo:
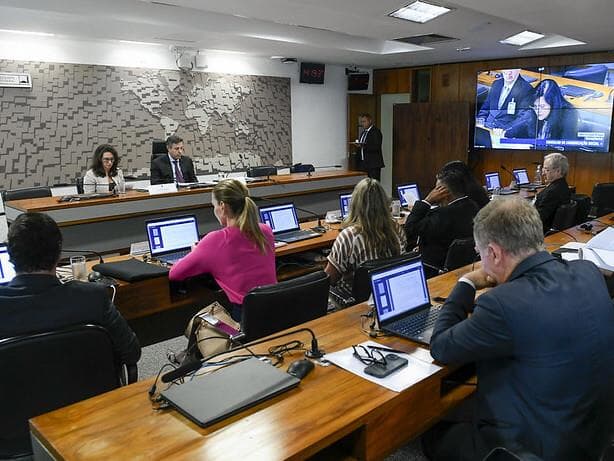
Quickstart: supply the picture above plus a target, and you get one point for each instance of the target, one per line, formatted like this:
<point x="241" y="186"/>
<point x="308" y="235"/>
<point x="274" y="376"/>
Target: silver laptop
<point x="402" y="302"/>
<point x="344" y="205"/>
<point x="7" y="271"/>
<point x="522" y="178"/>
<point x="407" y="193"/>
<point x="170" y="239"/>
<point x="284" y="222"/>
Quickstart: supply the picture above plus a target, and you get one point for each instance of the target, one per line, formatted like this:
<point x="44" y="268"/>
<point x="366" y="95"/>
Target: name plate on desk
<point x="162" y="188"/>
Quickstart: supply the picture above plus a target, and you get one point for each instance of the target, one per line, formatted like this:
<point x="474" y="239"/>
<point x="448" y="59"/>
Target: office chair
<point x="25" y="193"/>
<point x="584" y="207"/>
<point x="158" y="148"/>
<point x="503" y="454"/>
<point x="272" y="308"/>
<point x="49" y="370"/>
<point x="79" y="185"/>
<point x="460" y="253"/>
<point x="565" y="216"/>
<point x="361" y="287"/>
<point x="603" y="199"/>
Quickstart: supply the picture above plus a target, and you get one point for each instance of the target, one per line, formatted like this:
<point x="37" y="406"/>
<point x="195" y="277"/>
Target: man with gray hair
<point x="542" y="340"/>
<point x="556" y="192"/>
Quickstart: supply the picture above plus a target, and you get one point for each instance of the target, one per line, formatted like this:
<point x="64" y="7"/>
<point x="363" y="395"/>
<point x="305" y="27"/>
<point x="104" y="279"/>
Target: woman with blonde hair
<point x="369" y="232"/>
<point x="241" y="256"/>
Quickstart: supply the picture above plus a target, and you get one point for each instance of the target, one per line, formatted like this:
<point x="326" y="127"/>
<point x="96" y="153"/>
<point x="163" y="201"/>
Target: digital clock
<point x="312" y="73"/>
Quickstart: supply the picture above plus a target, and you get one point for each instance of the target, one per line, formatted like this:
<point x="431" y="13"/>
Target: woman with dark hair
<point x="473" y="190"/>
<point x="104" y="176"/>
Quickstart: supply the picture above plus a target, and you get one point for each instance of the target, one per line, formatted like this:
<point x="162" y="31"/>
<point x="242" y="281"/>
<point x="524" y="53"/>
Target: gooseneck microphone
<point x="190" y="367"/>
<point x="92" y="252"/>
<point x="319" y="228"/>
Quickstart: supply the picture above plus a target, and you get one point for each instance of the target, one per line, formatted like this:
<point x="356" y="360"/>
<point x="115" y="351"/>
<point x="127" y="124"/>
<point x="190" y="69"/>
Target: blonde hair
<point x="236" y="195"/>
<point x="370" y="215"/>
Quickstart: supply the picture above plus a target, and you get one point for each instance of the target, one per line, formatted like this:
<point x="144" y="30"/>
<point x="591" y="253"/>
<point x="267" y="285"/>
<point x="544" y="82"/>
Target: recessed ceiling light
<point x="552" y="41"/>
<point x="277" y="57"/>
<point x="419" y="12"/>
<point x="522" y="38"/>
<point x="133" y="42"/>
<point x="27" y="32"/>
<point x="463" y="48"/>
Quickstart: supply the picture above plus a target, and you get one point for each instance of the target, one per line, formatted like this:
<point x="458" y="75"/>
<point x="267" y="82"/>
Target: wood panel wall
<point x="457" y="83"/>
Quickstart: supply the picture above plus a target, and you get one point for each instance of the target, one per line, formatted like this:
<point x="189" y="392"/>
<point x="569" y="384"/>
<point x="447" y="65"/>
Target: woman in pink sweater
<point x="241" y="256"/>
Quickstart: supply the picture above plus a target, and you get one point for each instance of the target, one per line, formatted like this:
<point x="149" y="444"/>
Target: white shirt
<point x="363" y="138"/>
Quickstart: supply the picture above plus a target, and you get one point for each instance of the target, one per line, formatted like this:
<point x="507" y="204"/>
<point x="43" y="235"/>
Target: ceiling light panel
<point x="420" y="12"/>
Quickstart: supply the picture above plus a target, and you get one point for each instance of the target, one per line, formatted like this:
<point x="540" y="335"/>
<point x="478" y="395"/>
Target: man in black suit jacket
<point x="370" y="148"/>
<point x="436" y="228"/>
<point x="174" y="167"/>
<point x="36" y="301"/>
<point x="543" y="344"/>
<point x="557" y="190"/>
<point x="509" y="98"/>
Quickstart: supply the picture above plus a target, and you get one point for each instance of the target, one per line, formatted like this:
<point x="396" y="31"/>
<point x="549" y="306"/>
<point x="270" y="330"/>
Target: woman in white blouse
<point x="104" y="176"/>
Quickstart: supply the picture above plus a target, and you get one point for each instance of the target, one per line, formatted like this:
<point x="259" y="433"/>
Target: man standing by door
<point x="370" y="148"/>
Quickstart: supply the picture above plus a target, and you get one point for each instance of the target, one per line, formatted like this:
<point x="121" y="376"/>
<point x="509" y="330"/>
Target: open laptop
<point x="170" y="239"/>
<point x="402" y="301"/>
<point x="344" y="205"/>
<point x="522" y="178"/>
<point x="7" y="271"/>
<point x="493" y="182"/>
<point x="284" y="222"/>
<point x="408" y="194"/>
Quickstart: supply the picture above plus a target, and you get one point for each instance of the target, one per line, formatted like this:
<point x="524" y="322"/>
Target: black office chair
<point x="503" y="454"/>
<point x="361" y="287"/>
<point x="565" y="216"/>
<point x="272" y="308"/>
<point x="584" y="207"/>
<point x="460" y="253"/>
<point x="45" y="371"/>
<point x="603" y="199"/>
<point x="79" y="185"/>
<point x="158" y="147"/>
<point x="25" y="193"/>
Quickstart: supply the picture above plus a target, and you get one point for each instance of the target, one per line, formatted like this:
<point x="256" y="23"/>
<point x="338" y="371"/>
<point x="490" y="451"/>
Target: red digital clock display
<point x="312" y="73"/>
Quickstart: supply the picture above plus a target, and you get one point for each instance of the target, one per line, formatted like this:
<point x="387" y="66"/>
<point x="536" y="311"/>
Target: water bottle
<point x="538" y="175"/>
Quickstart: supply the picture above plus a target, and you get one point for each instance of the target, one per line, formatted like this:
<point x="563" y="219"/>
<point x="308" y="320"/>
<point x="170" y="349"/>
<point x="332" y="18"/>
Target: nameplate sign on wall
<point x="162" y="189"/>
<point x="15" y="80"/>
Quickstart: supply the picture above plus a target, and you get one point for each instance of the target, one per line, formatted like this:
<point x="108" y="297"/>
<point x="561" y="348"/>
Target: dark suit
<point x="37" y="302"/>
<point x="371" y="150"/>
<point x="162" y="170"/>
<point x="521" y="93"/>
<point x="548" y="200"/>
<point x="543" y="344"/>
<point x="437" y="228"/>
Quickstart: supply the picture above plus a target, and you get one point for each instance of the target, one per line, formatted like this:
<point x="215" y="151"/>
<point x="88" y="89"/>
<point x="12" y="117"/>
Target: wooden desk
<point x="333" y="414"/>
<point x="112" y="224"/>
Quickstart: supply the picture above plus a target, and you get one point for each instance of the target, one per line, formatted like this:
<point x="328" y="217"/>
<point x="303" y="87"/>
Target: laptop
<point x="408" y="194"/>
<point x="344" y="205"/>
<point x="493" y="182"/>
<point x="522" y="178"/>
<point x="170" y="239"/>
<point x="402" y="301"/>
<point x="7" y="271"/>
<point x="284" y="222"/>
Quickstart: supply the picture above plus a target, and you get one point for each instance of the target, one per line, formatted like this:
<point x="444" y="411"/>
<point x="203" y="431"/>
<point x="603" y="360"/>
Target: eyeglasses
<point x="369" y="357"/>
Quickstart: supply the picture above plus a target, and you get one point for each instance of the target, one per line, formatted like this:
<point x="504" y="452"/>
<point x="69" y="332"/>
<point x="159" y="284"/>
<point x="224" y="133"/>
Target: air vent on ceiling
<point x="174" y="40"/>
<point x="426" y="39"/>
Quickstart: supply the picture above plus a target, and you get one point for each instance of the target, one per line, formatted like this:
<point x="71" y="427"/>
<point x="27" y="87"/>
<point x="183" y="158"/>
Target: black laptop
<point x="522" y="179"/>
<point x="493" y="182"/>
<point x="402" y="302"/>
<point x="408" y="194"/>
<point x="7" y="271"/>
<point x="170" y="239"/>
<point x="284" y="222"/>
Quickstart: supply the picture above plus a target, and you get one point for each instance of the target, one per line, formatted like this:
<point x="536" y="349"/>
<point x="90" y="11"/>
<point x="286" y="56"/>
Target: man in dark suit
<point x="509" y="98"/>
<point x="36" y="301"/>
<point x="174" y="167"/>
<point x="370" y="148"/>
<point x="557" y="190"/>
<point x="543" y="344"/>
<point x="436" y="228"/>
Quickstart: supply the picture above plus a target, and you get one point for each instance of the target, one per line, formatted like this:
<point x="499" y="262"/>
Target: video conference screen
<point x="565" y="108"/>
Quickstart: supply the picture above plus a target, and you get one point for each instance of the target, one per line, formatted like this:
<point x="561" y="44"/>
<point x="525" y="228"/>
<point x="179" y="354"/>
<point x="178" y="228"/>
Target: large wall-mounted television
<point x="565" y="108"/>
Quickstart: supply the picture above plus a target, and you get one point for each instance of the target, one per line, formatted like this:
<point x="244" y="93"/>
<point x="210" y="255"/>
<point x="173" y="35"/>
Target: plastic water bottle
<point x="538" y="175"/>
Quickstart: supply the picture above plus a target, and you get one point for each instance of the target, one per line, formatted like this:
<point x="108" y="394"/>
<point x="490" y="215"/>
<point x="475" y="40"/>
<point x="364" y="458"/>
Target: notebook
<point x="522" y="178"/>
<point x="230" y="390"/>
<point x="344" y="205"/>
<point x="493" y="182"/>
<point x="408" y="194"/>
<point x="284" y="222"/>
<point x="7" y="271"/>
<point x="170" y="239"/>
<point x="402" y="301"/>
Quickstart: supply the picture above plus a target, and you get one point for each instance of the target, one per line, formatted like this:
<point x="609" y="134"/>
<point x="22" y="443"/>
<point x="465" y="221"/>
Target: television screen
<point x="312" y="73"/>
<point x="358" y="82"/>
<point x="567" y="108"/>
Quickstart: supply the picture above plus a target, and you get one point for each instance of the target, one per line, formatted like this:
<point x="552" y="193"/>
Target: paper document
<point x="420" y="366"/>
<point x="604" y="240"/>
<point x="600" y="250"/>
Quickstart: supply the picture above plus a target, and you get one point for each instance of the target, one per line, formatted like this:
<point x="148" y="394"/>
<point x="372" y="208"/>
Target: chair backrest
<point x="584" y="207"/>
<point x="460" y="253"/>
<point x="27" y="192"/>
<point x="565" y="216"/>
<point x="603" y="198"/>
<point x="45" y="371"/>
<point x="361" y="288"/>
<point x="79" y="185"/>
<point x="272" y="308"/>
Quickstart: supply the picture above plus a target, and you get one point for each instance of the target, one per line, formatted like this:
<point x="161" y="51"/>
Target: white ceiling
<point x="342" y="32"/>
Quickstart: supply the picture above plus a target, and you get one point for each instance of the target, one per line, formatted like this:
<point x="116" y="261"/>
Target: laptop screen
<point x="344" y="204"/>
<point x="408" y="194"/>
<point x="492" y="181"/>
<point x="281" y="218"/>
<point x="400" y="289"/>
<point x="172" y="234"/>
<point x="7" y="271"/>
<point x="521" y="176"/>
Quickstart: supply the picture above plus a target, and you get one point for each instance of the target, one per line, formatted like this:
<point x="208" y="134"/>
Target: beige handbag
<point x="209" y="338"/>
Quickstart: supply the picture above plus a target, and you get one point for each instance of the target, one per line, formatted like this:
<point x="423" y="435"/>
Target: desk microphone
<point x="510" y="173"/>
<point x="319" y="228"/>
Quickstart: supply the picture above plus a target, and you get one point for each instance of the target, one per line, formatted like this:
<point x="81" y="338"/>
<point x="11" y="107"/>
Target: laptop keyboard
<point x="418" y="322"/>
<point x="174" y="256"/>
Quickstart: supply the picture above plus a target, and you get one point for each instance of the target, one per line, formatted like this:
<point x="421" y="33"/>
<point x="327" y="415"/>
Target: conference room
<point x="317" y="230"/>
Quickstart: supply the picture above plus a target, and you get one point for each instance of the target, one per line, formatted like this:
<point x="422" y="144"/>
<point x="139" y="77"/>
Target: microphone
<point x="513" y="186"/>
<point x="100" y="260"/>
<point x="319" y="228"/>
<point x="314" y="353"/>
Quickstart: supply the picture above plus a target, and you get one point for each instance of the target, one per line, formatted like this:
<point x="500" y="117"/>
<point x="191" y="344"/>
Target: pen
<point x="387" y="349"/>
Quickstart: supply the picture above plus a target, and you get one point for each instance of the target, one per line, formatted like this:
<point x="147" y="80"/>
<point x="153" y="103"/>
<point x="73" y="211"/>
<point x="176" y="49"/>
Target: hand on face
<point x="480" y="279"/>
<point x="438" y="195"/>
